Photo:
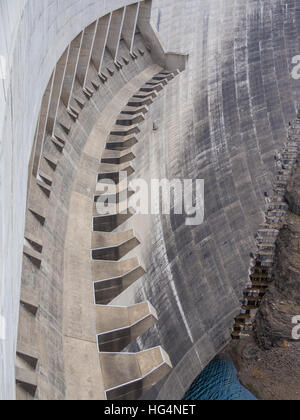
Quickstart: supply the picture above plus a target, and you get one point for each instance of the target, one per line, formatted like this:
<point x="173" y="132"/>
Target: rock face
<point x="268" y="361"/>
<point x="222" y="121"/>
<point x="293" y="191"/>
<point x="282" y="301"/>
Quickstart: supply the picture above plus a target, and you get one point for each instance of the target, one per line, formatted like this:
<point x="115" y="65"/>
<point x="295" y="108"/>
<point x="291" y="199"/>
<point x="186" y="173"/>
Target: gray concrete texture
<point x="34" y="35"/>
<point x="222" y="120"/>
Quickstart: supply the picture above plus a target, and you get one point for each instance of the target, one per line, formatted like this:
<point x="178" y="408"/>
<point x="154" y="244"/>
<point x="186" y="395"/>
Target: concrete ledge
<point x="128" y="121"/>
<point x="28" y="355"/>
<point x="154" y="82"/>
<point x="128" y="110"/>
<point x="27" y="380"/>
<point x="35" y="257"/>
<point x="129" y="376"/>
<point x="113" y="172"/>
<point x="120" y="130"/>
<point x="120" y="194"/>
<point x="58" y="144"/>
<point x="30" y="303"/>
<point x="168" y="60"/>
<point x="139" y="102"/>
<point x="118" y="326"/>
<point x="116" y="157"/>
<point x="113" y="247"/>
<point x="38" y="213"/>
<point x="44" y="187"/>
<point x="52" y="162"/>
<point x="34" y="242"/>
<point x="121" y="143"/>
<point x="108" y="289"/>
<point x="110" y="222"/>
<point x="149" y="88"/>
<point x="140" y="95"/>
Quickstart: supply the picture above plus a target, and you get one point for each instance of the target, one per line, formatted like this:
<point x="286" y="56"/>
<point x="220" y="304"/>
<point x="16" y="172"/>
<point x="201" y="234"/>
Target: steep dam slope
<point x="223" y="121"/>
<point x="75" y="66"/>
<point x="267" y="359"/>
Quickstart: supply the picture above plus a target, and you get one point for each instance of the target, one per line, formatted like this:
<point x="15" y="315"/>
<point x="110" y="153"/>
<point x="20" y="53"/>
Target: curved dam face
<point x="222" y="121"/>
<point x="221" y="118"/>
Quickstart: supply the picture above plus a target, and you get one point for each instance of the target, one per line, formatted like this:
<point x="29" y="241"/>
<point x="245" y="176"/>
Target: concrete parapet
<point x="27" y="380"/>
<point x="118" y="326"/>
<point x="120" y="142"/>
<point x="113" y="247"/>
<point x="129" y="376"/>
<point x="82" y="102"/>
<point x="119" y="279"/>
<point x="168" y="60"/>
<point x="116" y="157"/>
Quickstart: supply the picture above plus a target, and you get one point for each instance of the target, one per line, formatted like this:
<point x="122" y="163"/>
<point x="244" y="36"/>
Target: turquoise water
<point x="218" y="382"/>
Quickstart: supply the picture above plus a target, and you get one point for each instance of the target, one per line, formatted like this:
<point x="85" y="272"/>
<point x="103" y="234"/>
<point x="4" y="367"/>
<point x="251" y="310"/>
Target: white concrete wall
<point x="33" y="36"/>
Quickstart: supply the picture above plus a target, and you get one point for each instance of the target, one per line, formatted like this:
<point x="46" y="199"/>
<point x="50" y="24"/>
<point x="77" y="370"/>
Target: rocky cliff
<point x="268" y="361"/>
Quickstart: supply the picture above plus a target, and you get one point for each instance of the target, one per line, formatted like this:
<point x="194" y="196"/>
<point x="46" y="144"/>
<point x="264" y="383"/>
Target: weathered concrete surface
<point x="221" y="120"/>
<point x="34" y="34"/>
<point x="63" y="333"/>
<point x="82" y="373"/>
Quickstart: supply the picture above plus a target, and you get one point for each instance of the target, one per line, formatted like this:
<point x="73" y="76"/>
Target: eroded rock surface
<point x="282" y="301"/>
<point x="268" y="361"/>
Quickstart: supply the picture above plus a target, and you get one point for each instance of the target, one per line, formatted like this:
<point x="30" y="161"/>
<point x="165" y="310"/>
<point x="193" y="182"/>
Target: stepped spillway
<point x="86" y="77"/>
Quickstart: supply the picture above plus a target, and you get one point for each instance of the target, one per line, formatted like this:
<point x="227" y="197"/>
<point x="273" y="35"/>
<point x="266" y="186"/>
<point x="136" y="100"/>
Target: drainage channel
<point x="125" y="375"/>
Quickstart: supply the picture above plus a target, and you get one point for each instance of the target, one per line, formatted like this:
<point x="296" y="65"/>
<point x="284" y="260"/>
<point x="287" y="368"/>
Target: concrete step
<point x="278" y="206"/>
<point x="127" y="376"/>
<point x="121" y="143"/>
<point x="144" y="95"/>
<point x="108" y="289"/>
<point x="105" y="192"/>
<point x="118" y="326"/>
<point x="154" y="82"/>
<point x="110" y="222"/>
<point x="140" y="101"/>
<point x="152" y="88"/>
<point x="266" y="247"/>
<point x="34" y="256"/>
<point x="161" y="77"/>
<point x="27" y="379"/>
<point x="115" y="172"/>
<point x="29" y="300"/>
<point x="113" y="247"/>
<point x="130" y="110"/>
<point x="38" y="213"/>
<point x="116" y="157"/>
<point x="47" y="190"/>
<point x="130" y="120"/>
<point x="123" y="131"/>
<point x="51" y="160"/>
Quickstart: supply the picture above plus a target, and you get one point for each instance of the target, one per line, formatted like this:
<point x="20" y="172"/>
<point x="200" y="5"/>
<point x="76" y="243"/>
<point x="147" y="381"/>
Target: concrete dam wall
<point x="221" y="119"/>
<point x="226" y="119"/>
